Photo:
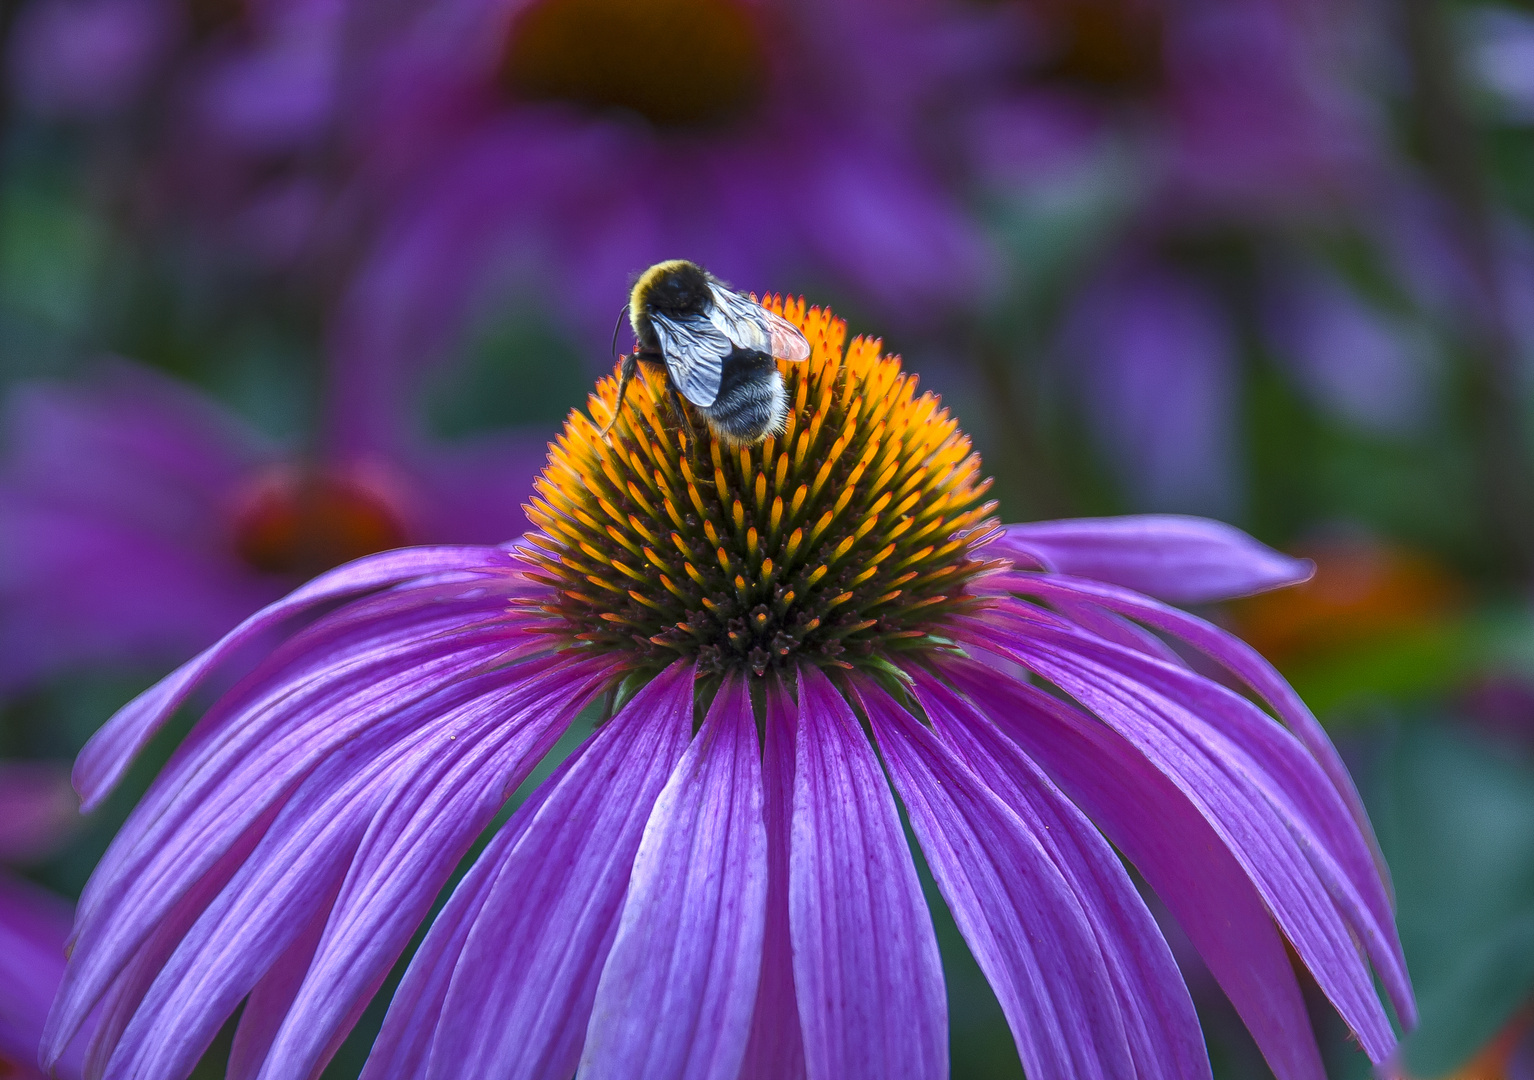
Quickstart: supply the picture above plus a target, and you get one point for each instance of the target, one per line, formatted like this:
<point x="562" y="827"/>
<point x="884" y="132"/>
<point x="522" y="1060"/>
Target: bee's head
<point x="676" y="287"/>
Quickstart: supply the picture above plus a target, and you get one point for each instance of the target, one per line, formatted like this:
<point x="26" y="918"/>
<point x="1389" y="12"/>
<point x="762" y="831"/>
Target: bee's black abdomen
<point x="750" y="404"/>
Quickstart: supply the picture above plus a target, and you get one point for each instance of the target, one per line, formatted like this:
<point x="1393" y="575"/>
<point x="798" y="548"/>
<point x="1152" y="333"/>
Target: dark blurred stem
<point x="8" y="10"/>
<point x="1496" y="407"/>
<point x="1029" y="485"/>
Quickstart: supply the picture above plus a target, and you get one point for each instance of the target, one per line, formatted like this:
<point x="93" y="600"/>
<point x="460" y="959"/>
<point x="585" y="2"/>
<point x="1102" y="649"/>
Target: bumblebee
<point x="719" y="349"/>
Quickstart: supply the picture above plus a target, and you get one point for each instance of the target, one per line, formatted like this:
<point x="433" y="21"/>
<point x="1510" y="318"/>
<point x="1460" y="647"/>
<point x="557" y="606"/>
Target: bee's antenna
<point x="616" y="327"/>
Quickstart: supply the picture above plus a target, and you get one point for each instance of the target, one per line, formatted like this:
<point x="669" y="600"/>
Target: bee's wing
<point x="752" y="326"/>
<point x="695" y="349"/>
<point x="787" y="342"/>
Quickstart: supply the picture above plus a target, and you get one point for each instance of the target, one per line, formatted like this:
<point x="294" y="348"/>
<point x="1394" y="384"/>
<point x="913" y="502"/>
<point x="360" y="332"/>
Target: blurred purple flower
<point x="1231" y="106"/>
<point x="1501" y="48"/>
<point x="141" y="520"/>
<point x="680" y="900"/>
<point x="1201" y="123"/>
<point x="1155" y="355"/>
<point x="1156" y="351"/>
<point x="34" y="927"/>
<point x="36" y="810"/>
<point x="233" y="107"/>
<point x="89" y="59"/>
<point x="1371" y="368"/>
<point x="549" y="150"/>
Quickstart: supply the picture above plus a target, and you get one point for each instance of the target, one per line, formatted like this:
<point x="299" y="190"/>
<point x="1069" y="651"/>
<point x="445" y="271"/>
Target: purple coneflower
<point x="787" y="639"/>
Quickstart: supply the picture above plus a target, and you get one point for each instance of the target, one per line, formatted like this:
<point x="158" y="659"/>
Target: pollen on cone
<point x="835" y="540"/>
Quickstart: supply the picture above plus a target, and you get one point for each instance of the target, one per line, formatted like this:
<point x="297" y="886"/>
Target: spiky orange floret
<point x="843" y="539"/>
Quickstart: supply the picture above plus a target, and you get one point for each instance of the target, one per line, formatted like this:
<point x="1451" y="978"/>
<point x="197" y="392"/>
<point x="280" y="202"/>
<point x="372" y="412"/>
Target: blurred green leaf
<point x="1456" y="821"/>
<point x="1419" y="662"/>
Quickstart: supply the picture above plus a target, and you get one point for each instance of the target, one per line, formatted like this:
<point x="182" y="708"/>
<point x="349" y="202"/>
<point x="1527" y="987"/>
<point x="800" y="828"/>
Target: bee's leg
<point x="679" y="407"/>
<point x="625" y="375"/>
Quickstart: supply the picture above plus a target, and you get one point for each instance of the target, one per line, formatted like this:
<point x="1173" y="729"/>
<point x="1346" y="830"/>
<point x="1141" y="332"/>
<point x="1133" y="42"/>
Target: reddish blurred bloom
<point x="141" y="520"/>
<point x="1363" y="590"/>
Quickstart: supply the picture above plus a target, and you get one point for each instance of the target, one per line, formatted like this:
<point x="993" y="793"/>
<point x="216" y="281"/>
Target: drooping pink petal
<point x="1237" y="732"/>
<point x="1185" y="560"/>
<point x="1026" y="928"/>
<point x="1171" y="843"/>
<point x="1159" y="1019"/>
<point x="383" y="652"/>
<point x="271" y="998"/>
<point x="776" y="1049"/>
<point x="1263" y="839"/>
<point x="521" y="995"/>
<point x="866" y="966"/>
<point x="289" y="879"/>
<point x="213" y="788"/>
<point x="1232" y="653"/>
<point x="121" y="994"/>
<point x="677" y="994"/>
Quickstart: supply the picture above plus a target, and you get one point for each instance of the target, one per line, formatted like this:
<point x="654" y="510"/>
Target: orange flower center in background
<point x="1112" y="47"/>
<point x="1363" y="591"/>
<point x="300" y="521"/>
<point x="841" y="541"/>
<point x="677" y="63"/>
<point x="209" y="18"/>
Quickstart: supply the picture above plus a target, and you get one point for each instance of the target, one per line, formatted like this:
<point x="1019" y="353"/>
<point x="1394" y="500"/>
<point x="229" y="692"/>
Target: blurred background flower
<point x="1267" y="259"/>
<point x="37" y="813"/>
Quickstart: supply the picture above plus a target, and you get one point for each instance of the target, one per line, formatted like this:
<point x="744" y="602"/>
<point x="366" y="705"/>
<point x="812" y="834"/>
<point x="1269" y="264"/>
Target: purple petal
<point x="1171" y="843"/>
<point x="270" y="1001"/>
<point x="293" y="874"/>
<point x="403" y="1046"/>
<point x="370" y="662"/>
<point x="1025" y="926"/>
<point x="107" y="756"/>
<point x="1279" y="766"/>
<point x="678" y="991"/>
<point x="226" y="775"/>
<point x="1231" y="653"/>
<point x="1183" y="560"/>
<point x="1276" y="850"/>
<point x="776" y="1050"/>
<point x="1159" y="1018"/>
<point x="443" y="803"/>
<point x="866" y="964"/>
<point x="521" y="995"/>
<point x="172" y="840"/>
<point x="120" y="994"/>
